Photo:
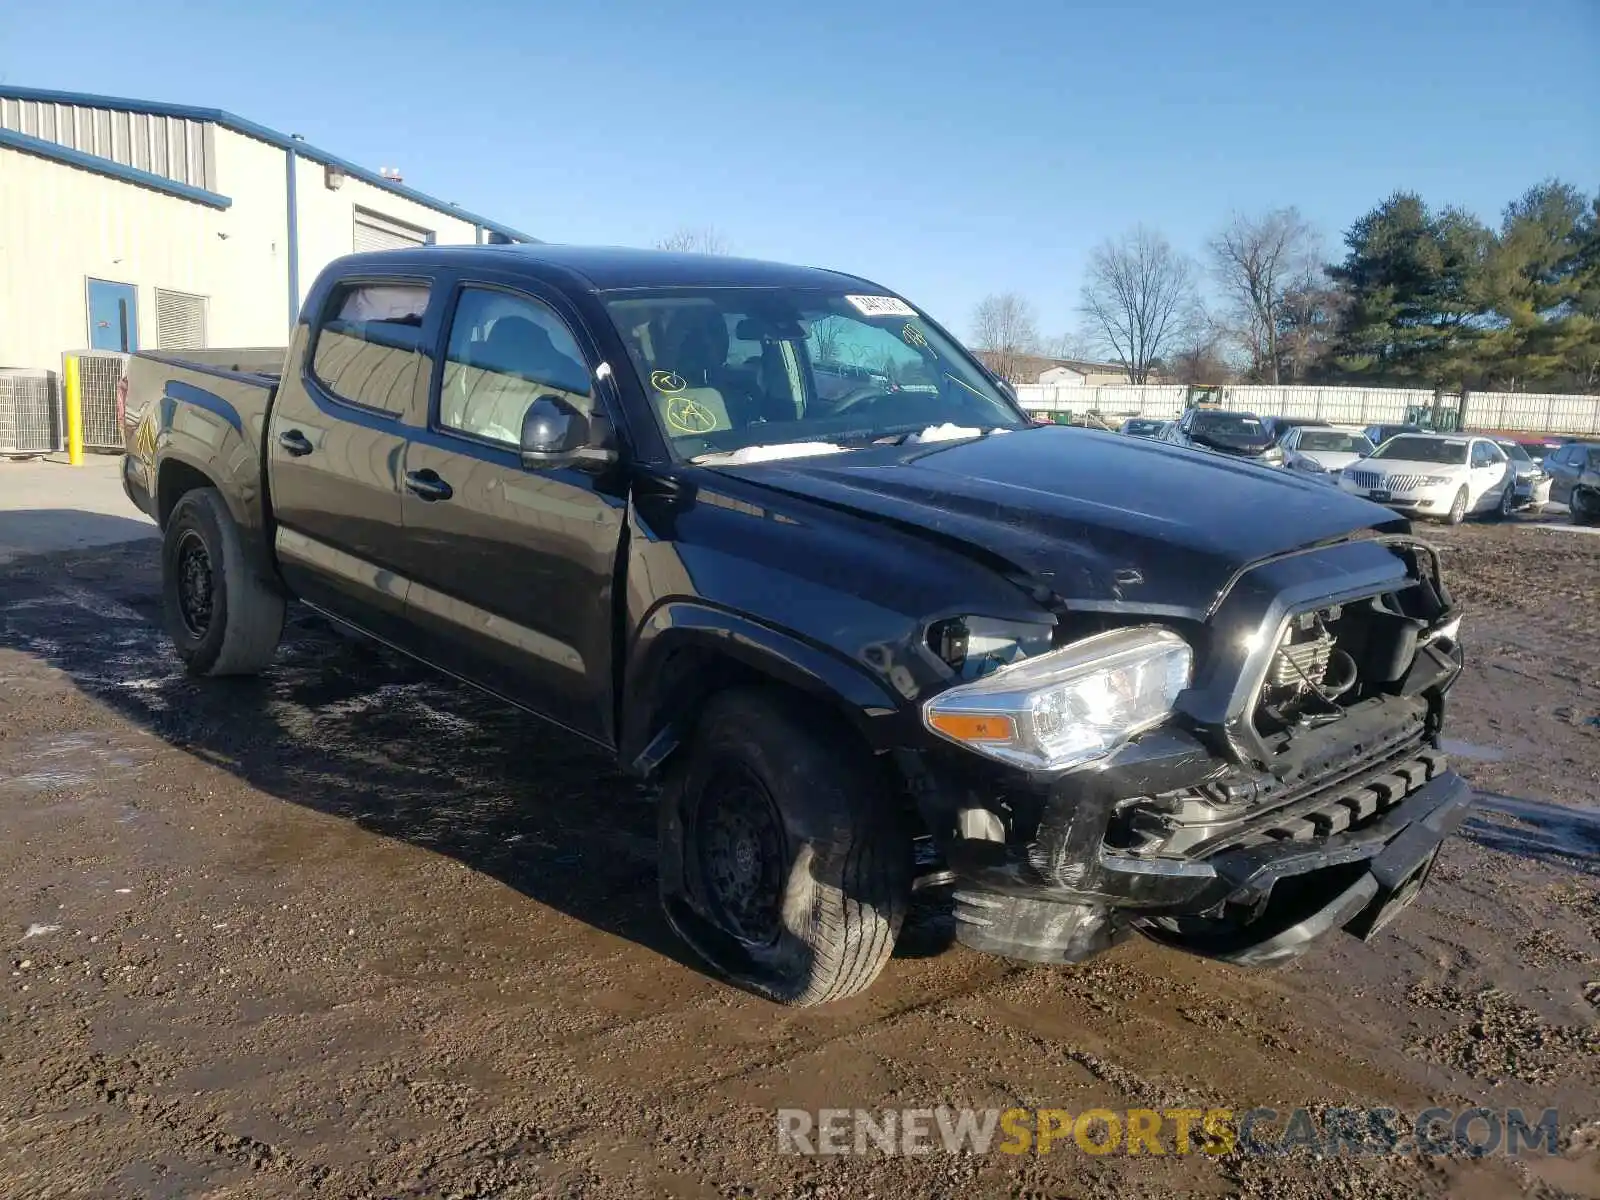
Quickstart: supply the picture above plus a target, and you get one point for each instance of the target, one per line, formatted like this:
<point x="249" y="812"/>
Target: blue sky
<point x="946" y="149"/>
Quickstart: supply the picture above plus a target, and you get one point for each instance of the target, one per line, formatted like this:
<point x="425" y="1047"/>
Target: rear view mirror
<point x="556" y="435"/>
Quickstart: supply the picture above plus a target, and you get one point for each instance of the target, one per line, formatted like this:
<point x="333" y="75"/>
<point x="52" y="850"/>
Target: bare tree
<point x="1309" y="317"/>
<point x="1256" y="260"/>
<point x="1198" y="353"/>
<point x="1138" y="299"/>
<point x="706" y="239"/>
<point x="1005" y="330"/>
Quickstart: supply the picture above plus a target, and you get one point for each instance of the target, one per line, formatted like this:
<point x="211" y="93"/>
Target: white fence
<point x="1529" y="412"/>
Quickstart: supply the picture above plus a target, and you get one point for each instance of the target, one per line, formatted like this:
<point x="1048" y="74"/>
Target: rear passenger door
<point x="335" y="444"/>
<point x="512" y="569"/>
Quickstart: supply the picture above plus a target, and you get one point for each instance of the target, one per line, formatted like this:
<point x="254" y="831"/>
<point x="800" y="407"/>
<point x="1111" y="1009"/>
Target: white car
<point x="1321" y="451"/>
<point x="1448" y="476"/>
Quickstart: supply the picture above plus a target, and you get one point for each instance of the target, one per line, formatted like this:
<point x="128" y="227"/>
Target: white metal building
<point x="126" y="224"/>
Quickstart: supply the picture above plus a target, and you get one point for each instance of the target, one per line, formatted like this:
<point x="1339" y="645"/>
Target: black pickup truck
<point x="771" y="535"/>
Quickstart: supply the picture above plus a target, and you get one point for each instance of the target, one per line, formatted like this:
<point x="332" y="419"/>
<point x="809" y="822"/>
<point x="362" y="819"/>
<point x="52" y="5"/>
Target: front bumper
<point x="1257" y="905"/>
<point x="1428" y="501"/>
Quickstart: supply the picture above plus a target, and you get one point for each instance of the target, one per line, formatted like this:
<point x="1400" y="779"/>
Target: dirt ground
<point x="354" y="931"/>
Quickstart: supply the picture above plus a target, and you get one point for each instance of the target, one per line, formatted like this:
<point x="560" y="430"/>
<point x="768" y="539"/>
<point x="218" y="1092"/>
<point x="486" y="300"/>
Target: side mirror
<point x="557" y="435"/>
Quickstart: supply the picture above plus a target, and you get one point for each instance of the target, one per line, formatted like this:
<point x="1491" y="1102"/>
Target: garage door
<point x="374" y="232"/>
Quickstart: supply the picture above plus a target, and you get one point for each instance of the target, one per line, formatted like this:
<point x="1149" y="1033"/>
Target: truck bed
<point x="206" y="411"/>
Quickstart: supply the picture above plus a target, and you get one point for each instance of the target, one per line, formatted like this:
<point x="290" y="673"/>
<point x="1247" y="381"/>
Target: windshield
<point x="728" y="368"/>
<point x="1514" y="451"/>
<point x="1228" y="425"/>
<point x="1423" y="449"/>
<point x="1335" y="442"/>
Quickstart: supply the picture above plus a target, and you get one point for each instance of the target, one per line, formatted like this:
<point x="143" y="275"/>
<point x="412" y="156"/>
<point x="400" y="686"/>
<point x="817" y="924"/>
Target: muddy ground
<point x="351" y="930"/>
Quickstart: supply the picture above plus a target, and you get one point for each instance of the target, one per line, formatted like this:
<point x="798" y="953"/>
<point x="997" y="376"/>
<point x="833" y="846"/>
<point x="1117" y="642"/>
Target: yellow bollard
<point x="74" y="413"/>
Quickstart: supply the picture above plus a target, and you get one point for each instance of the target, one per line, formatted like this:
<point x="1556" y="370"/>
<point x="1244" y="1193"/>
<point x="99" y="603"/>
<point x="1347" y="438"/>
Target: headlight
<point x="1435" y="480"/>
<point x="1069" y="706"/>
<point x="1272" y="454"/>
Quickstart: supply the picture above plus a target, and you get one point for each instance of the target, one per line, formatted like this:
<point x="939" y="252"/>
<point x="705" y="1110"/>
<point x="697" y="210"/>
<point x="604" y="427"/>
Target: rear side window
<point x="369" y="348"/>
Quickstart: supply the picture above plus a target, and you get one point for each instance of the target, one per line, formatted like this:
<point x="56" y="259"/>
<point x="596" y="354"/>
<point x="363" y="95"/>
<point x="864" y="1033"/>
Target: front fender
<point x="650" y="731"/>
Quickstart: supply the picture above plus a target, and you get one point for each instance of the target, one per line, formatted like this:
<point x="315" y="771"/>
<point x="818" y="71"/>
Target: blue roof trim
<point x="239" y="125"/>
<point x="104" y="166"/>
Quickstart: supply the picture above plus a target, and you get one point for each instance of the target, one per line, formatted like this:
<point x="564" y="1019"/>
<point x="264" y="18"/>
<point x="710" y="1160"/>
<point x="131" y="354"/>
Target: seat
<point x="689" y="385"/>
<point x="516" y="364"/>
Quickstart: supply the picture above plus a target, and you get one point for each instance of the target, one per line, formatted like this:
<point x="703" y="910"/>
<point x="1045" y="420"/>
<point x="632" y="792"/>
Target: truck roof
<point x="607" y="268"/>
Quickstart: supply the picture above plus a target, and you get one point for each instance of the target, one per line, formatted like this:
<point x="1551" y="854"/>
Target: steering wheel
<point x="859" y="395"/>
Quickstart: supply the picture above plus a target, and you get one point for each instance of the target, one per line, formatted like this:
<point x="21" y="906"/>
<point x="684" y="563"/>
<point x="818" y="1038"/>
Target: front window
<point x="1514" y="451"/>
<point x="1421" y="449"/>
<point x="727" y="369"/>
<point x="1334" y="442"/>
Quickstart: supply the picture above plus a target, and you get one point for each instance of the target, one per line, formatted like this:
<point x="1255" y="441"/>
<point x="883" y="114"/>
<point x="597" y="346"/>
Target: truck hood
<point x="1101" y="520"/>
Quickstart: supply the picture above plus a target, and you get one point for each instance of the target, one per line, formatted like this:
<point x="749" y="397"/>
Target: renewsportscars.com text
<point x="1472" y="1132"/>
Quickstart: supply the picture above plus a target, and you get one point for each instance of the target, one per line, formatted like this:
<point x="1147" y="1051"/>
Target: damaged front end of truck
<point x="1277" y="775"/>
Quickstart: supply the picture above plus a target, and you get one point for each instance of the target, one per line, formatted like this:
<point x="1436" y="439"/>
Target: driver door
<point x="1489" y="468"/>
<point x="512" y="568"/>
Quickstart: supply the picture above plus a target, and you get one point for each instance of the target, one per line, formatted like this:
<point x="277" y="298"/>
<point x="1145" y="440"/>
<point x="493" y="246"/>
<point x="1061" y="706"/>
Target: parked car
<point x="1448" y="476"/>
<point x="1278" y="428"/>
<point x="1575" y="480"/>
<point x="1532" y="482"/>
<point x="1117" y="687"/>
<point x="1144" y="427"/>
<point x="1236" y="434"/>
<point x="1379" y="434"/>
<point x="1323" y="452"/>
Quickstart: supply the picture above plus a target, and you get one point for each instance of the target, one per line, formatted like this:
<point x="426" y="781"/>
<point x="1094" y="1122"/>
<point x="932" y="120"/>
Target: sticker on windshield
<point x="881" y="306"/>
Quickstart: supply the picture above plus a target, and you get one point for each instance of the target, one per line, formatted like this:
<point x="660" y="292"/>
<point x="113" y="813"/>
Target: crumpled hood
<point x="1096" y="517"/>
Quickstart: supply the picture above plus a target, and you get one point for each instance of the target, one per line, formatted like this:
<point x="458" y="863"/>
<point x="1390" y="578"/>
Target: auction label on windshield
<point x="881" y="306"/>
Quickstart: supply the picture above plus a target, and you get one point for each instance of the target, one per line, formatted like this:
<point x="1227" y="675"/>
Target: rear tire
<point x="785" y="861"/>
<point x="1458" y="509"/>
<point x="222" y="617"/>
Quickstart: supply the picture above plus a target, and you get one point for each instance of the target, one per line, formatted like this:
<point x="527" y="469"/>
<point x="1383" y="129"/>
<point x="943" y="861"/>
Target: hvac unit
<point x="30" y="412"/>
<point x="98" y="372"/>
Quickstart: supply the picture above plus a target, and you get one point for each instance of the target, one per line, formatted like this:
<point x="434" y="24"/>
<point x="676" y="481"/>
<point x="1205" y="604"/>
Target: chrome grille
<point x="1395" y="483"/>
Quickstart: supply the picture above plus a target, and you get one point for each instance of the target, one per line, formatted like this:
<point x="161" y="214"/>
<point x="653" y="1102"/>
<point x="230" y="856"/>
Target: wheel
<point x="1508" y="502"/>
<point x="1585" y="507"/>
<point x="223" y="619"/>
<point x="785" y="863"/>
<point x="1458" y="509"/>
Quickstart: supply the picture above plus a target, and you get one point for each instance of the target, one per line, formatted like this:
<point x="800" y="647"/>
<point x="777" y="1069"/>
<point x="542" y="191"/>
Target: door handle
<point x="427" y="485"/>
<point x="295" y="442"/>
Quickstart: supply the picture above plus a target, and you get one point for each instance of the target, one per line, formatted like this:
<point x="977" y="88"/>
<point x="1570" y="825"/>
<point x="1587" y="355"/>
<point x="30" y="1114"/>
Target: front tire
<point x="223" y="619"/>
<point x="1508" y="503"/>
<point x="1458" y="509"/>
<point x="785" y="860"/>
<point x="1584" y="507"/>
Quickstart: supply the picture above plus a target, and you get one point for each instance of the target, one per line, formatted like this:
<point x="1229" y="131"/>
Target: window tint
<point x="504" y="353"/>
<point x="369" y="347"/>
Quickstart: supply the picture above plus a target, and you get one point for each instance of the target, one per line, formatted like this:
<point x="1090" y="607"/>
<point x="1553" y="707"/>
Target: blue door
<point x="113" y="316"/>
